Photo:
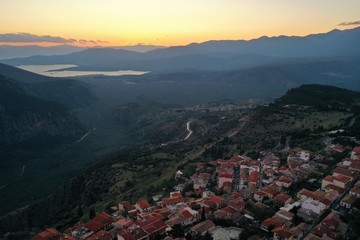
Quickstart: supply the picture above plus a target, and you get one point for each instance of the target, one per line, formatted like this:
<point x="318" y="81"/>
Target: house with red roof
<point x="151" y="225"/>
<point x="227" y="187"/>
<point x="259" y="196"/>
<point x="321" y="230"/>
<point x="231" y="213"/>
<point x="302" y="154"/>
<point x="348" y="201"/>
<point x="284" y="182"/>
<point x="270" y="193"/>
<point x="318" y="195"/>
<point x="282" y="199"/>
<point x="270" y="223"/>
<point x="235" y="195"/>
<point x="123" y="223"/>
<point x="101" y="221"/>
<point x="203" y="227"/>
<point x="355" y="153"/>
<point x="124" y="206"/>
<point x="223" y="178"/>
<point x="123" y="234"/>
<point x="339" y="171"/>
<point x="217" y="200"/>
<point x="172" y="201"/>
<point x="101" y="235"/>
<point x="200" y="182"/>
<point x="254" y="177"/>
<point x="142" y="205"/>
<point x="190" y="216"/>
<point x="335" y="148"/>
<point x="48" y="234"/>
<point x="355" y="192"/>
<point x="237" y="204"/>
<point x="282" y="233"/>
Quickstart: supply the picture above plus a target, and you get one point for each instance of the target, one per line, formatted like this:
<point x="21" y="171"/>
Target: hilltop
<point x="221" y="132"/>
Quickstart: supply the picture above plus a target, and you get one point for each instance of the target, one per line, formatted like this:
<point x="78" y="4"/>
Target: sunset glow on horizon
<point x="167" y="22"/>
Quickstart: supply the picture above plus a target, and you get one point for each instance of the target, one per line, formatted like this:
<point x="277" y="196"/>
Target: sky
<point x="167" y="22"/>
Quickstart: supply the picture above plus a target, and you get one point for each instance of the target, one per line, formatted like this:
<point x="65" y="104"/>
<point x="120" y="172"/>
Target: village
<point x="266" y="198"/>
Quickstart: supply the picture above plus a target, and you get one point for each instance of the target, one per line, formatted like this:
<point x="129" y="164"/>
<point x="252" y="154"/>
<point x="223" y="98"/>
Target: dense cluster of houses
<point x="233" y="190"/>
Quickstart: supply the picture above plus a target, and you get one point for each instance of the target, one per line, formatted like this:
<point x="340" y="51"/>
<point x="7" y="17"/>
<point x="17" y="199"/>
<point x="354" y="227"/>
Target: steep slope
<point x="71" y="93"/>
<point x="26" y="118"/>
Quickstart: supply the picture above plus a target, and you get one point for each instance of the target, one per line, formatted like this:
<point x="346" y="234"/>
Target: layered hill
<point x="214" y="55"/>
<point x="71" y="93"/>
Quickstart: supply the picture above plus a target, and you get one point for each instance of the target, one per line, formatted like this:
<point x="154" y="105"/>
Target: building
<point x="142" y="205"/>
<point x="348" y="201"/>
<point x="203" y="227"/>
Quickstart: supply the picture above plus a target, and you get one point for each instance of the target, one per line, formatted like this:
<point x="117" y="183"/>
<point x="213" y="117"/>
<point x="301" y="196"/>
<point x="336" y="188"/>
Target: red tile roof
<point x="209" y="203"/>
<point x="282" y="232"/>
<point x="354" y="190"/>
<point x="124" y="222"/>
<point x="101" y="235"/>
<point x="235" y="195"/>
<point x="126" y="234"/>
<point x="356" y="149"/>
<point x="285" y="180"/>
<point x="335" y="188"/>
<point x="314" y="196"/>
<point x="48" y="234"/>
<point x="329" y="178"/>
<point x="260" y="193"/>
<point x="99" y="222"/>
<point x="240" y="204"/>
<point x="205" y="176"/>
<point x="269" y="191"/>
<point x="143" y="203"/>
<point x="216" y="199"/>
<point x="343" y="171"/>
<point x="320" y="230"/>
<point x="230" y="210"/>
<point x="154" y="227"/>
<point x="254" y="176"/>
<point x="226" y="175"/>
<point x="282" y="197"/>
<point x="343" y="179"/>
<point x="270" y="222"/>
<point x="173" y="200"/>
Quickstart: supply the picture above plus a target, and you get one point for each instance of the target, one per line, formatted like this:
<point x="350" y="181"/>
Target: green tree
<point x="79" y="211"/>
<point x="203" y="214"/>
<point x="92" y="213"/>
<point x="177" y="231"/>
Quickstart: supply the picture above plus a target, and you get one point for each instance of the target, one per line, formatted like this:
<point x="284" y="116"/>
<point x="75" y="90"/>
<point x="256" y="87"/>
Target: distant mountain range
<point x="211" y="55"/>
<point x="8" y="52"/>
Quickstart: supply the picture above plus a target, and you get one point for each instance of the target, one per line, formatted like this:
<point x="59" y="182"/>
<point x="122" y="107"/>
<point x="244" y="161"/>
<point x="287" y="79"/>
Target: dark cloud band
<point x="349" y="23"/>
<point x="32" y="38"/>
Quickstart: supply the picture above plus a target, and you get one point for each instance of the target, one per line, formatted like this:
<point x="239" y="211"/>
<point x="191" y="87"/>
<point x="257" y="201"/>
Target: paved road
<point x="188" y="129"/>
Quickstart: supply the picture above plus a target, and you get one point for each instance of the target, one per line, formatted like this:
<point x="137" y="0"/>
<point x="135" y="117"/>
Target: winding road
<point x="85" y="135"/>
<point x="188" y="129"/>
